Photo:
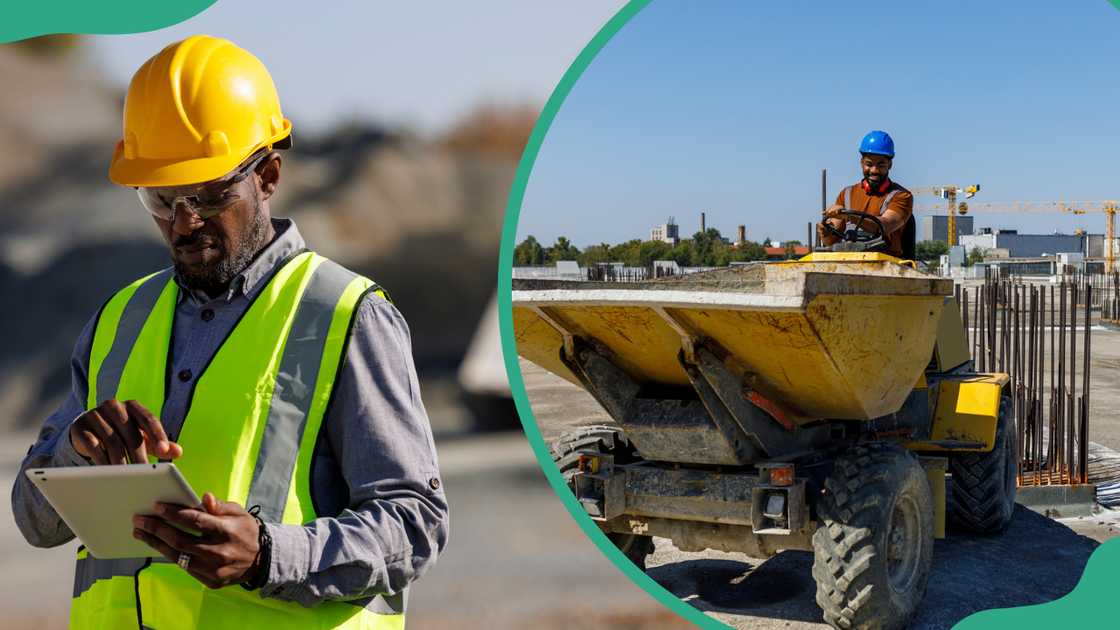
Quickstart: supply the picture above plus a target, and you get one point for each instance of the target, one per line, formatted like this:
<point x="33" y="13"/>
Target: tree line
<point x="704" y="249"/>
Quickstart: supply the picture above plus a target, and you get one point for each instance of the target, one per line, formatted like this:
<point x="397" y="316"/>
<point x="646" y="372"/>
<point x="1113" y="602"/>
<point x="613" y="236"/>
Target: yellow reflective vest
<point x="248" y="437"/>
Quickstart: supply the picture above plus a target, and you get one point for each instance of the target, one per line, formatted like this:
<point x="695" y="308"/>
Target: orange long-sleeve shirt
<point x="900" y="200"/>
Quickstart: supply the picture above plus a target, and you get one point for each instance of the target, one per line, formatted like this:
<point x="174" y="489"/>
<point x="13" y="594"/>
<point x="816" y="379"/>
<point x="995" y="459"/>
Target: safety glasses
<point x="205" y="200"/>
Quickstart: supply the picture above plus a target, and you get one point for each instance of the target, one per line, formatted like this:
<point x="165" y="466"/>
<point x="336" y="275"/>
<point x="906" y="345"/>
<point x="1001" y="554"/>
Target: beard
<point x="214" y="278"/>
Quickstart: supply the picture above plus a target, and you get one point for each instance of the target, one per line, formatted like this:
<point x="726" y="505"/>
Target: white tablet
<point x="98" y="502"/>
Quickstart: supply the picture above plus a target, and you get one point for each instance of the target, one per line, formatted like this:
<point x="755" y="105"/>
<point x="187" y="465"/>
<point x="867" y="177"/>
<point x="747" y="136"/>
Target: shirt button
<point x="185" y="375"/>
<point x="207" y="315"/>
<point x="433" y="483"/>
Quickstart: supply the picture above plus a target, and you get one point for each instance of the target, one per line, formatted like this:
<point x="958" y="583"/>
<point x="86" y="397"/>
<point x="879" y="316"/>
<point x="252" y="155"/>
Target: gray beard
<point x="215" y="279"/>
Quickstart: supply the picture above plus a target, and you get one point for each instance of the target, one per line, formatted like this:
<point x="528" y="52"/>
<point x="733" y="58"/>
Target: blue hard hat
<point x="877" y="142"/>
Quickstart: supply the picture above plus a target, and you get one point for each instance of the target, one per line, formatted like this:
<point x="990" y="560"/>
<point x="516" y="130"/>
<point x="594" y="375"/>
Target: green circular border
<point x="31" y="18"/>
<point x="1088" y="602"/>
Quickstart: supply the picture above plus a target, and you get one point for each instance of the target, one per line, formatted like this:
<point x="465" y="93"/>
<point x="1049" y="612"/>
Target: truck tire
<point x="604" y="439"/>
<point x="983" y="495"/>
<point x="874" y="546"/>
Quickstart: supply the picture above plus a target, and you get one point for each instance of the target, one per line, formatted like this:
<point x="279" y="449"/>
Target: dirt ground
<point x="970" y="573"/>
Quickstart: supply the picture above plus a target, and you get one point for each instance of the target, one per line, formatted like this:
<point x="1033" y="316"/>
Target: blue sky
<point x="734" y="108"/>
<point x="420" y="64"/>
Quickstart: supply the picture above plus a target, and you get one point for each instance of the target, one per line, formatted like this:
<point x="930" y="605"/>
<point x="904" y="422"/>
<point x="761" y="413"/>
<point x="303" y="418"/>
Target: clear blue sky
<point x="421" y="64"/>
<point x="734" y="108"/>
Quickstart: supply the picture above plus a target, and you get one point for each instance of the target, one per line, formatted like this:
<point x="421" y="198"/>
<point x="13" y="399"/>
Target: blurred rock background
<point x="413" y="214"/>
<point x="418" y="208"/>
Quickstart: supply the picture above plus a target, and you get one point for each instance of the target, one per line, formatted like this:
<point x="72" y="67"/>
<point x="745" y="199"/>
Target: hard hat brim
<point x="144" y="172"/>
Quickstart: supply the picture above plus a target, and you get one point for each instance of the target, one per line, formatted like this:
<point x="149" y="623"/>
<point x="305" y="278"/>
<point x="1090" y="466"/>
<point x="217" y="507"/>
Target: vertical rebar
<point x="1067" y="469"/>
<point x="981" y="318"/>
<point x="1013" y="361"/>
<point x="1053" y="321"/>
<point x="1071" y="431"/>
<point x="1001" y="340"/>
<point x="1040" y="414"/>
<point x="991" y="332"/>
<point x="964" y="316"/>
<point x="1059" y="437"/>
<point x="1027" y="428"/>
<point x="1083" y="431"/>
<point x="1038" y="368"/>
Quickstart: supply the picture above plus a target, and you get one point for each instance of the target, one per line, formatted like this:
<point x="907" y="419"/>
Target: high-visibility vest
<point x="248" y="436"/>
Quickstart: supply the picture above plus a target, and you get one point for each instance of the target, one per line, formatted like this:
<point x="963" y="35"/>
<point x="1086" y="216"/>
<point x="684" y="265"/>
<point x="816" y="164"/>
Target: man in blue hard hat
<point x="877" y="195"/>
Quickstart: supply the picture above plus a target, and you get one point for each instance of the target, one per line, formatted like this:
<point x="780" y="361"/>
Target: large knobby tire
<point x="603" y="439"/>
<point x="983" y="495"/>
<point x="873" y="549"/>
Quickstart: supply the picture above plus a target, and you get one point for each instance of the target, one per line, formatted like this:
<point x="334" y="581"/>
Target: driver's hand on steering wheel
<point x="833" y="211"/>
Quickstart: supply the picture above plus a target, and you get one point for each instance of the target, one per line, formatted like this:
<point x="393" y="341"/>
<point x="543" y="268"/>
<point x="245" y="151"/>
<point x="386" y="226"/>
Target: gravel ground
<point x="970" y="573"/>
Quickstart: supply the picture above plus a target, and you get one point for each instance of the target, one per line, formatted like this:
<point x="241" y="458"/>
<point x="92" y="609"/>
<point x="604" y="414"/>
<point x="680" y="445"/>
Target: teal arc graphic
<point x="24" y="19"/>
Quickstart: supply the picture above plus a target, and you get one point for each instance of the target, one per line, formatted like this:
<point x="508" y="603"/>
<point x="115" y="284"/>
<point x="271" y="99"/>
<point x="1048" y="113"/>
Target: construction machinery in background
<point x="949" y="193"/>
<point x="812" y="404"/>
<point x="1108" y="208"/>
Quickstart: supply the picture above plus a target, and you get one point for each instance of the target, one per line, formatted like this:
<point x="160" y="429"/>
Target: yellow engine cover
<point x="967" y="411"/>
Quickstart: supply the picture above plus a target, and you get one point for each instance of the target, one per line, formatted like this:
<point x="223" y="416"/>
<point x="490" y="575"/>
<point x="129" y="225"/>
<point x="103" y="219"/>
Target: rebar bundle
<point x="1029" y="330"/>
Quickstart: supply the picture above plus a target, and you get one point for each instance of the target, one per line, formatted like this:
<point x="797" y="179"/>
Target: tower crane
<point x="949" y="194"/>
<point x="1108" y="208"/>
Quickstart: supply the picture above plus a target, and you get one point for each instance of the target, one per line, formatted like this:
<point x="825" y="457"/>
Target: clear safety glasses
<point x="206" y="200"/>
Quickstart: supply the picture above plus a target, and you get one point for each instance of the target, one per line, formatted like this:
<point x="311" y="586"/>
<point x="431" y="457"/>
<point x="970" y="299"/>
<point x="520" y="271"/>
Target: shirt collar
<point x="287" y="241"/>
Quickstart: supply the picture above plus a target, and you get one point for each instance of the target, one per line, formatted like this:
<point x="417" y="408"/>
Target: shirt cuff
<point x="64" y="452"/>
<point x="290" y="562"/>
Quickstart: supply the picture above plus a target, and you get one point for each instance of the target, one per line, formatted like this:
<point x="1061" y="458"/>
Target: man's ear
<point x="269" y="172"/>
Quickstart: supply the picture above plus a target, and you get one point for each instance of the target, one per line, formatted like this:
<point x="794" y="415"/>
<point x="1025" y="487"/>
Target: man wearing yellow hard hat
<point x="280" y="383"/>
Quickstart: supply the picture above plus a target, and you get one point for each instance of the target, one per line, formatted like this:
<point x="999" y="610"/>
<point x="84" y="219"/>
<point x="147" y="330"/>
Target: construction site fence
<point x="614" y="273"/>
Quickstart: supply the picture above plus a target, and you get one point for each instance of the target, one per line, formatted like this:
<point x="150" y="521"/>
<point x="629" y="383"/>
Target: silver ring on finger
<point x="184" y="561"/>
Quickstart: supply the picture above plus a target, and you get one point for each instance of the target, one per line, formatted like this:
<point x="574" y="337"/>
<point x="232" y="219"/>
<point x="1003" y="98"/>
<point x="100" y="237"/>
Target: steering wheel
<point x="856" y="233"/>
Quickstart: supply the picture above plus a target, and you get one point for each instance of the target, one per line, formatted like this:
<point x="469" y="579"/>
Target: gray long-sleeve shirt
<point x="375" y="472"/>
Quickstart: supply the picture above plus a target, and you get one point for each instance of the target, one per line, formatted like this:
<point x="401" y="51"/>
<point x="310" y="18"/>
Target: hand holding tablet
<point x="98" y="502"/>
<point x="226" y="549"/>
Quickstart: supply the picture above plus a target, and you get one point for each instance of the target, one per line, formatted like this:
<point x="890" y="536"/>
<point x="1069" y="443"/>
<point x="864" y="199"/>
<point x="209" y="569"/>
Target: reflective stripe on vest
<point x="882" y="206"/>
<point x="275" y="372"/>
<point x="886" y="200"/>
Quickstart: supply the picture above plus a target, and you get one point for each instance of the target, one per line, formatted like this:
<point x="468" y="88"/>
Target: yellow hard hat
<point x="194" y="112"/>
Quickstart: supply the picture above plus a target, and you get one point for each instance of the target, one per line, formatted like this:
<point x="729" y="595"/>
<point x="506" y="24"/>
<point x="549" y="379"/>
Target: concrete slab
<point x="1059" y="501"/>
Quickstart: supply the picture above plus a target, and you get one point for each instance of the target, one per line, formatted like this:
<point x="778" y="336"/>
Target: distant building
<point x="1094" y="245"/>
<point x="779" y="253"/>
<point x="667" y="232"/>
<point x="1048" y="266"/>
<point x="936" y="227"/>
<point x="1030" y="245"/>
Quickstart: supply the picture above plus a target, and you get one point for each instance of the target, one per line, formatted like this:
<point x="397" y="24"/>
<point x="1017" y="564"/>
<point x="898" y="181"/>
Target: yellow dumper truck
<point x="814" y="404"/>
